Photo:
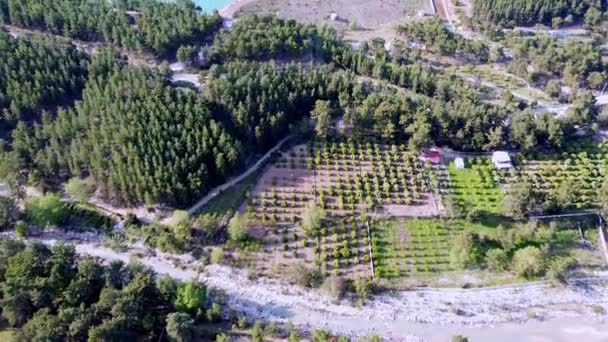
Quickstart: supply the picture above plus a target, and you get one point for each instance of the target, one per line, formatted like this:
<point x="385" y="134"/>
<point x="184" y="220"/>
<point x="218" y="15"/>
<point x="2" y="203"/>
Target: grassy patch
<point x="416" y="247"/>
<point x="474" y="187"/>
<point x="87" y="216"/>
<point x="229" y="200"/>
<point x="7" y="336"/>
<point x="418" y="250"/>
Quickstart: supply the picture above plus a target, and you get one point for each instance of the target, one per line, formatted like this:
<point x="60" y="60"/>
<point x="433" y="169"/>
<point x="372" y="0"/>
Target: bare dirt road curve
<point x="487" y="314"/>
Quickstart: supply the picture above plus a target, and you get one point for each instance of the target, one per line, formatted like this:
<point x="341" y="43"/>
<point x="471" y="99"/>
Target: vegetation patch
<point x="474" y="187"/>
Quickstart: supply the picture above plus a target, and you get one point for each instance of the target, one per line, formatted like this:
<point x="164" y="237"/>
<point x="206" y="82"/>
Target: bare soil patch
<point x="376" y="18"/>
<point x="351" y="183"/>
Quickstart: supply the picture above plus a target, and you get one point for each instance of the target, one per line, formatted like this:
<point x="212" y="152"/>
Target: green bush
<point x="91" y="217"/>
<point x="237" y="228"/>
<point x="528" y="262"/>
<point x="8" y="213"/>
<point x="558" y="268"/>
<point x="190" y="296"/>
<point x="497" y="260"/>
<point x="464" y="252"/>
<point x="214" y="313"/>
<point x="78" y="189"/>
<point x="257" y="332"/>
<point x="21" y="229"/>
<point x="46" y="211"/>
<point x="217" y="255"/>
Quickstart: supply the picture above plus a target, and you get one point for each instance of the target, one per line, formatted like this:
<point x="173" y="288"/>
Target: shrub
<point x="242" y="322"/>
<point x="363" y="288"/>
<point x="312" y="216"/>
<point x="214" y="313"/>
<point x="271" y="329"/>
<point x="598" y="309"/>
<point x="46" y="211"/>
<point x="21" y="229"/>
<point x="320" y="335"/>
<point x="222" y="338"/>
<point x="294" y="336"/>
<point x="464" y="253"/>
<point x="304" y="276"/>
<point x="558" y="268"/>
<point x="334" y="286"/>
<point x="78" y="189"/>
<point x="257" y="332"/>
<point x="179" y="217"/>
<point x="459" y="338"/>
<point x="497" y="260"/>
<point x="190" y="296"/>
<point x="528" y="262"/>
<point x="237" y="228"/>
<point x="217" y="255"/>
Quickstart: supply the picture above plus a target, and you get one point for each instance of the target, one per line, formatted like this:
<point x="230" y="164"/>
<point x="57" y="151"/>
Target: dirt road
<point x="441" y="10"/>
<point x="216" y="191"/>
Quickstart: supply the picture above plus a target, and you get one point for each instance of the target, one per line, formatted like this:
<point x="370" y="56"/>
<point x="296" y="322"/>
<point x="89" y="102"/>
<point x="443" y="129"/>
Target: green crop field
<point x="413" y="247"/>
<point x="474" y="187"/>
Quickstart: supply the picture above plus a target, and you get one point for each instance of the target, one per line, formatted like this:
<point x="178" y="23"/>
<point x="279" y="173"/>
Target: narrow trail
<point x="216" y="191"/>
<point x="431" y="314"/>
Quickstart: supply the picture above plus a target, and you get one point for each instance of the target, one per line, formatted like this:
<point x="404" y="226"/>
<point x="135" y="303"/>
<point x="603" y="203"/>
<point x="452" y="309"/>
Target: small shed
<point x="501" y="160"/>
<point x="432" y="155"/>
<point x="459" y="163"/>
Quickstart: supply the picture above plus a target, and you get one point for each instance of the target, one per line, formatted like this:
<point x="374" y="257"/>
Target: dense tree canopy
<point x="264" y="99"/>
<point x="35" y="75"/>
<point x="140" y="139"/>
<point x="262" y="37"/>
<point x="52" y="295"/>
<point x="529" y="12"/>
<point x="135" y="24"/>
<point x="574" y="61"/>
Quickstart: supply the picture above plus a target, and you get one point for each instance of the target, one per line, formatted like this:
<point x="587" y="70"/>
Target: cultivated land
<point x="401" y="198"/>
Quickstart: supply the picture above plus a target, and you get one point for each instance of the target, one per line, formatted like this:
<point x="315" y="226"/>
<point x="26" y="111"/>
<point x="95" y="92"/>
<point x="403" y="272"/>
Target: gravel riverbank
<point x="426" y="314"/>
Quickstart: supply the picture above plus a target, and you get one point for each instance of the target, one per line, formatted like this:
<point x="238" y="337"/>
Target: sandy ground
<point x="181" y="74"/>
<point x="376" y="18"/>
<point x="487" y="314"/>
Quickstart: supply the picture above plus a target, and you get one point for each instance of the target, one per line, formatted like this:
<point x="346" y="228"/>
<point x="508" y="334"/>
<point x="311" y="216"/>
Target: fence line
<point x="600" y="228"/>
<point x="369" y="245"/>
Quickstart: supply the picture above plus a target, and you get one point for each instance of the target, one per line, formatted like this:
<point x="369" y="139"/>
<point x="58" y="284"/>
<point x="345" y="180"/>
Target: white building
<point x="501" y="160"/>
<point x="459" y="163"/>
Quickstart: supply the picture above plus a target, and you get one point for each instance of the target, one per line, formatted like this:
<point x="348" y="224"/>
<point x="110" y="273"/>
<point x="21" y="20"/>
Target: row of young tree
<point x="134" y="24"/>
<point x="140" y="139"/>
<point x="50" y="294"/>
<point x="530" y="12"/>
<point x="35" y="75"/>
